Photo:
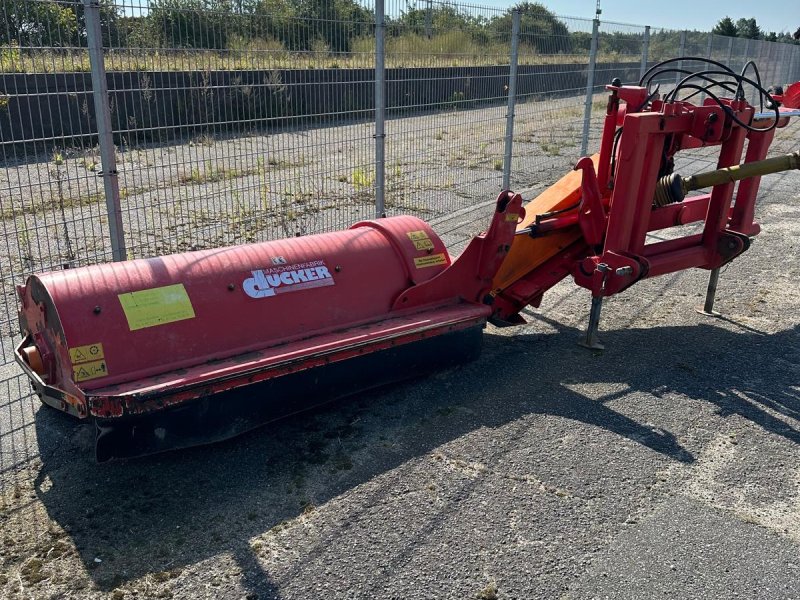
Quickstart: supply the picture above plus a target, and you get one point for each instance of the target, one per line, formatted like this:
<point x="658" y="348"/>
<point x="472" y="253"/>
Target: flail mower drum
<point x="190" y="348"/>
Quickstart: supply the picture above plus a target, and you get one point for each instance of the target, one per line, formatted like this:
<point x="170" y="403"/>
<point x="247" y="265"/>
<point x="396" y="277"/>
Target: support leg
<point x="711" y="292"/>
<point x="591" y="340"/>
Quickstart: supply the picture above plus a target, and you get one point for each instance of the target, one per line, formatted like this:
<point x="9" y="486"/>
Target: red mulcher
<point x="185" y="349"/>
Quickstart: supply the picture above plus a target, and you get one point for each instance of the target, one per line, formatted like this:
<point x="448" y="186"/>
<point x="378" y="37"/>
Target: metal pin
<point x="711" y="292"/>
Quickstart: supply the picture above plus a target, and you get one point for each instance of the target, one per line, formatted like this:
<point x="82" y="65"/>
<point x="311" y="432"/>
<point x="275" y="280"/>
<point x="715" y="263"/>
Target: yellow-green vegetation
<point x="400" y="53"/>
<point x="362" y="179"/>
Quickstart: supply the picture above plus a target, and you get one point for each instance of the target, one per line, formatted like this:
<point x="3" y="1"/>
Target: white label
<point x="289" y="278"/>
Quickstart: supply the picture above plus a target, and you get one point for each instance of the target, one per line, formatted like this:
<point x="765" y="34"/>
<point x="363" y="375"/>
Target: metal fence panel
<point x="447" y="79"/>
<point x="550" y="98"/>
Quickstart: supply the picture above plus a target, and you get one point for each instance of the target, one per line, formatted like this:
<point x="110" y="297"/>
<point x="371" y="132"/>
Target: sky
<point x="674" y="14"/>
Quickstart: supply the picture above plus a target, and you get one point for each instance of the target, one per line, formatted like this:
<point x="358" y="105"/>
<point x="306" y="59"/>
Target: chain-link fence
<point x="230" y="122"/>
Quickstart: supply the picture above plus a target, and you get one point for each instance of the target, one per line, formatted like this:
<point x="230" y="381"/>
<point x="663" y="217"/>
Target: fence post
<point x="730" y="51"/>
<point x="380" y="110"/>
<point x="94" y="35"/>
<point x="681" y="54"/>
<point x="785" y="76"/>
<point x="645" y="50"/>
<point x="428" y="20"/>
<point x="709" y="50"/>
<point x="512" y="98"/>
<point x="587" y="110"/>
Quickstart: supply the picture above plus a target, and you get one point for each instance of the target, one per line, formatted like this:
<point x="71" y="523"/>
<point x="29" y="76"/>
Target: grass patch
<point x="449" y="49"/>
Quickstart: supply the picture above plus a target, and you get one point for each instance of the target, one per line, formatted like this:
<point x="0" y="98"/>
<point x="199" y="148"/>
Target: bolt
<point x="97" y="310"/>
<point x="231" y="287"/>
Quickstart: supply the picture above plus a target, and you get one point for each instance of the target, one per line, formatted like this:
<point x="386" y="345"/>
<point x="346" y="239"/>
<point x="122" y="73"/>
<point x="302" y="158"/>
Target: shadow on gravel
<point x="158" y="514"/>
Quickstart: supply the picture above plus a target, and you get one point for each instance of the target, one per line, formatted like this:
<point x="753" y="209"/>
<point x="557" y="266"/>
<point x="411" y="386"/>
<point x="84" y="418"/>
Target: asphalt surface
<point x="667" y="466"/>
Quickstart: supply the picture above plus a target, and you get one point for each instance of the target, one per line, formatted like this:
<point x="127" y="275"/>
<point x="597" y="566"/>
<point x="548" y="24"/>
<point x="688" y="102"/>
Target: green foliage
<point x="51" y="23"/>
<point x="725" y="27"/>
<point x="44" y="23"/>
<point x="539" y="28"/>
<point x="298" y="25"/>
<point x="748" y="28"/>
<point x="191" y="23"/>
<point x="439" y="19"/>
<point x="334" y="22"/>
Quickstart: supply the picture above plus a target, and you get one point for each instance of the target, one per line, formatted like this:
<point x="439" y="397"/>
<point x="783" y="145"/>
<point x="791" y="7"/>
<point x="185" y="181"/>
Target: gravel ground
<point x="667" y="466"/>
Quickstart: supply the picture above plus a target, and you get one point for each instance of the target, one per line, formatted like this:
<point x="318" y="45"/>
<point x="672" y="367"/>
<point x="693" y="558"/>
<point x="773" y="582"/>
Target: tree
<point x="725" y="27"/>
<point x="43" y="23"/>
<point x="191" y="23"/>
<point x="441" y="17"/>
<point x="748" y="28"/>
<point x="333" y="22"/>
<point x="538" y="28"/>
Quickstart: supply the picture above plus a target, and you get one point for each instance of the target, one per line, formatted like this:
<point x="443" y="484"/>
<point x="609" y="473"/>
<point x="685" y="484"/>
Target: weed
<point x="551" y="148"/>
<point x="25" y="243"/>
<point x="362" y="179"/>
<point x="32" y="572"/>
<point x="341" y="462"/>
<point x="497" y="165"/>
<point x="489" y="592"/>
<point x="58" y="175"/>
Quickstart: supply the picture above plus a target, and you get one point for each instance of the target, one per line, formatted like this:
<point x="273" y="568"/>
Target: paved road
<point x="668" y="466"/>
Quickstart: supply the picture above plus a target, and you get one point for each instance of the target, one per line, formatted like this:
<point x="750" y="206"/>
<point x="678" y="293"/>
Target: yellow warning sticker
<point x="420" y="240"/>
<point x="156" y="306"/>
<point x="82" y="354"/>
<point x="512" y="217"/>
<point x="430" y="261"/>
<point x="90" y="370"/>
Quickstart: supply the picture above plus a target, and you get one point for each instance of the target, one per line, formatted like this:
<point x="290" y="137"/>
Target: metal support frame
<point x="711" y="293"/>
<point x="591" y="339"/>
<point x="645" y="51"/>
<point x="380" y="109"/>
<point x="512" y="98"/>
<point x="94" y="35"/>
<point x="587" y="111"/>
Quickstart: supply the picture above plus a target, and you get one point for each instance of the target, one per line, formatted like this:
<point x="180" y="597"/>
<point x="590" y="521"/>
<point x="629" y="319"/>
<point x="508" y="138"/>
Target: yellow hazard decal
<point x="420" y="240"/>
<point x="512" y="217"/>
<point x="430" y="261"/>
<point x="82" y="354"/>
<point x="90" y="370"/>
<point x="156" y="306"/>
